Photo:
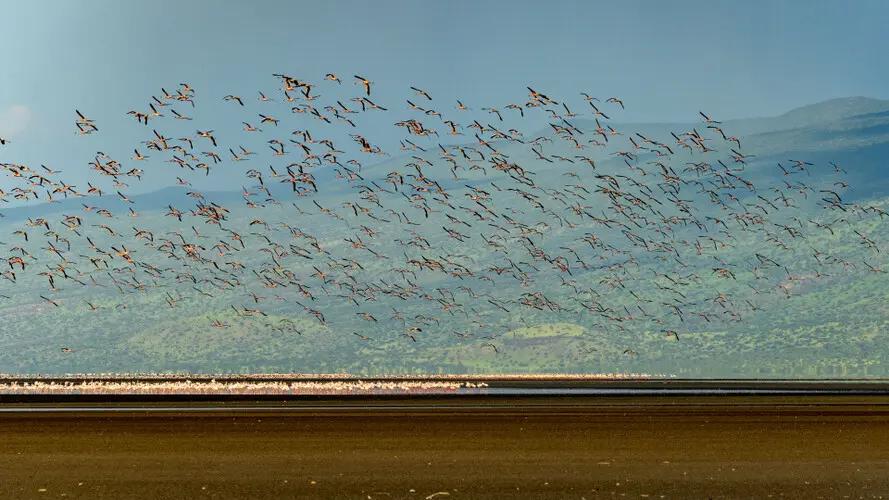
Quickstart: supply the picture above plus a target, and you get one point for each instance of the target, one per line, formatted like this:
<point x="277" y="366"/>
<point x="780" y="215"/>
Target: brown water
<point x="682" y="448"/>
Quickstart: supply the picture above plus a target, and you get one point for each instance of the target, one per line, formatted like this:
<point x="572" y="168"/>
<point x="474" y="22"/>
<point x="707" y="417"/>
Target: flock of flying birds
<point x="607" y="223"/>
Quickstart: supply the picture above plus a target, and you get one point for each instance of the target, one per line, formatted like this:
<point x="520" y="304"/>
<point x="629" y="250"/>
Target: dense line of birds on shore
<point x="481" y="200"/>
<point x="251" y="387"/>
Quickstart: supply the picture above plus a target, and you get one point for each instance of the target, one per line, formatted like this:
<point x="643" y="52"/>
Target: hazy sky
<point x="666" y="60"/>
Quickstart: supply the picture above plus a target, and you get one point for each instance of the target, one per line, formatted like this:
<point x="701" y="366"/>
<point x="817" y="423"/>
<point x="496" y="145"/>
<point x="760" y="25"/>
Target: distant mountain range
<point x="852" y="132"/>
<point x="812" y="115"/>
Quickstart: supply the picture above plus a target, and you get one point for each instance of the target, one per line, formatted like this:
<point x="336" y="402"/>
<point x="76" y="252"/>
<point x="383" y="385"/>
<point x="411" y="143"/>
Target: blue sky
<point x="666" y="60"/>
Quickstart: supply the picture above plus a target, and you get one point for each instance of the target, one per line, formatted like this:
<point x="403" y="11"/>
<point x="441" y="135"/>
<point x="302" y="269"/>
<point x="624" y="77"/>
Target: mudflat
<point x="681" y="448"/>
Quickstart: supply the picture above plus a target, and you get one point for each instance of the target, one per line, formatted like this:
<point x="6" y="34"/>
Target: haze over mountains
<point x="813" y="115"/>
<point x="852" y="132"/>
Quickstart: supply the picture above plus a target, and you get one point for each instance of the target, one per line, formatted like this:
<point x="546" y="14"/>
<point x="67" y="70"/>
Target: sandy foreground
<point x="680" y="448"/>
